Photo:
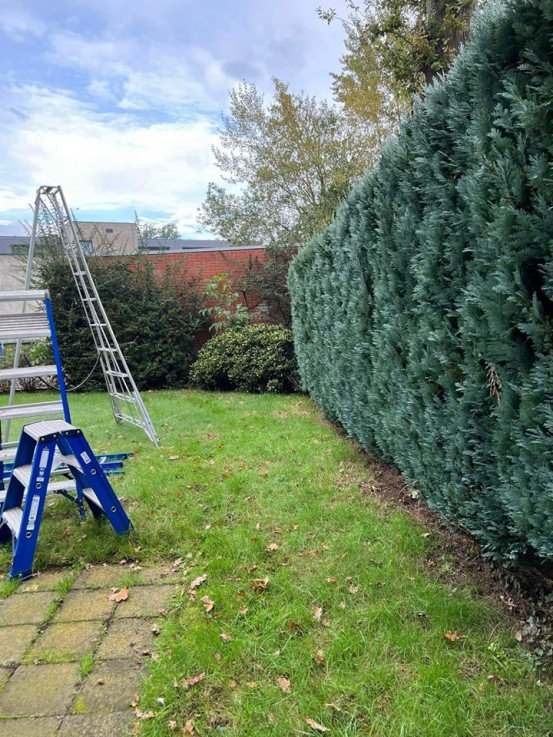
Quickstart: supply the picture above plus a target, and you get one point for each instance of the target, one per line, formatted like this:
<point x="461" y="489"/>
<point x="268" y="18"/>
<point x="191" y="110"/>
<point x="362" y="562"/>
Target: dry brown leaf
<point x="320" y="657"/>
<point x="218" y="657"/>
<point x="455" y="635"/>
<point x="244" y="610"/>
<point x="197" y="582"/>
<point x="518" y="636"/>
<point x="251" y="684"/>
<point x="119" y="595"/>
<point x="294" y="626"/>
<point x="225" y="637"/>
<point x="189" y="727"/>
<point x="284" y="684"/>
<point x="316" y="726"/>
<point x="154" y="629"/>
<point x="331" y="580"/>
<point x="174" y="458"/>
<point x="208" y="603"/>
<point x="172" y="725"/>
<point x="144" y="714"/>
<point x="353" y="589"/>
<point x="271" y="547"/>
<point x="317" y="612"/>
<point x="259" y="584"/>
<point x="188" y="682"/>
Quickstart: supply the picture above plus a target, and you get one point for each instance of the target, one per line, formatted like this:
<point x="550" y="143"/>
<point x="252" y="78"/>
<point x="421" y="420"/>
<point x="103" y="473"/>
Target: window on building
<point x="87" y="247"/>
<point x="109" y="230"/>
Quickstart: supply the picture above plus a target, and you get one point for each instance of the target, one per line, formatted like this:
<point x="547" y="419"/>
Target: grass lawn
<point x="324" y="608"/>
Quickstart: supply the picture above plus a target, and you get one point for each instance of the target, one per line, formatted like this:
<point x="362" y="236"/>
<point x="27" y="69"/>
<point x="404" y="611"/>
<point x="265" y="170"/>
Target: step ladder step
<point x="61" y="465"/>
<point x="20" y="411"/>
<point x="47" y="427"/>
<point x="27" y="372"/>
<point x="23" y="295"/>
<point x="7" y="454"/>
<point x="27" y="326"/>
<point x="12" y="517"/>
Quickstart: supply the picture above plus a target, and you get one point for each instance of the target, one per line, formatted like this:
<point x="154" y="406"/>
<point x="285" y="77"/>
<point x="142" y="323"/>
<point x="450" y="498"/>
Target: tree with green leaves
<point x="149" y="231"/>
<point x="393" y="49"/>
<point x="286" y="164"/>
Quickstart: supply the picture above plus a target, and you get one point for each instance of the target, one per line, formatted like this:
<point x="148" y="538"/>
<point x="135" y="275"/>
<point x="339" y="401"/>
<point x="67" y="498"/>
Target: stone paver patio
<point x="71" y="659"/>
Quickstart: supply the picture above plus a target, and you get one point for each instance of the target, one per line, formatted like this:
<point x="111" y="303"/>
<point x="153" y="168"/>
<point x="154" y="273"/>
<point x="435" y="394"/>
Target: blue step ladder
<point x="45" y="447"/>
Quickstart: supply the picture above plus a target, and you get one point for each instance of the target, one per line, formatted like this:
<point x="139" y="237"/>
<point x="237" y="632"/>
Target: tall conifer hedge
<point x="423" y="315"/>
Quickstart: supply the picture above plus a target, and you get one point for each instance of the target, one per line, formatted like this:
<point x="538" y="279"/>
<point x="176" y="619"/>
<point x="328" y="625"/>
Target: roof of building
<point x="184" y="245"/>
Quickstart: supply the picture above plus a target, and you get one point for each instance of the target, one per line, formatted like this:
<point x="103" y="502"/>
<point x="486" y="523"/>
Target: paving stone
<point x="127" y="638"/>
<point x="39" y="690"/>
<point x="120" y="680"/>
<point x="160" y="575"/>
<point x="79" y="606"/>
<point x="116" y="724"/>
<point x="25" y="608"/>
<point x="97" y="577"/>
<point x="47" y="581"/>
<point x="41" y="727"/>
<point x="145" y="601"/>
<point x="14" y="642"/>
<point x="66" y="640"/>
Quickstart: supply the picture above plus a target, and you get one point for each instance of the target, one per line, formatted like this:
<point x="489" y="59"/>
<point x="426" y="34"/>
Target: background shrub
<point x="156" y="322"/>
<point x="423" y="316"/>
<point x="255" y="358"/>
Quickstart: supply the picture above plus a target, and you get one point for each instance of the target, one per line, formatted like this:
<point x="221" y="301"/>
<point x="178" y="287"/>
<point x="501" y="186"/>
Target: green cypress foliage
<point x="423" y="315"/>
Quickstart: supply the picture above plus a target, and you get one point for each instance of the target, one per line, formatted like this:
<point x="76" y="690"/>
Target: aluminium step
<point x="27" y="326"/>
<point x="38" y="430"/>
<point x="24" y="295"/>
<point x="60" y="466"/>
<point x="13" y="517"/>
<point x="27" y="372"/>
<point x="20" y="411"/>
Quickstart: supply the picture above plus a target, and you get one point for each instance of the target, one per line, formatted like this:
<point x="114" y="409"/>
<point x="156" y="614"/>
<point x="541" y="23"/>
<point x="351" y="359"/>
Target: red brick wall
<point x="204" y="265"/>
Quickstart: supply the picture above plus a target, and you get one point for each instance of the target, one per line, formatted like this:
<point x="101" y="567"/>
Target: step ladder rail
<point x="26" y="540"/>
<point x="90" y="475"/>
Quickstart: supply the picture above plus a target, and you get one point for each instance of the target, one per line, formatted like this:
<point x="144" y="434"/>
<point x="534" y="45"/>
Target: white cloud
<point x="106" y="162"/>
<point x="19" y="24"/>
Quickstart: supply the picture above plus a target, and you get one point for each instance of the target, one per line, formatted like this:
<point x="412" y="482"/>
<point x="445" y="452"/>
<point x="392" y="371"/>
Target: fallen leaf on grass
<point x="252" y="684"/>
<point x="189" y="727"/>
<point x="174" y="458"/>
<point x="331" y="580"/>
<point x="144" y="714"/>
<point x="317" y="612"/>
<point x="208" y="603"/>
<point x="271" y="547"/>
<point x="259" y="584"/>
<point x="284" y="684"/>
<point x="320" y="657"/>
<point x="316" y="726"/>
<point x="172" y="725"/>
<point x="197" y="582"/>
<point x="518" y="636"/>
<point x="119" y="595"/>
<point x="244" y="610"/>
<point x="295" y="627"/>
<point x="225" y="637"/>
<point x="188" y="682"/>
<point x="154" y="629"/>
<point x="455" y="635"/>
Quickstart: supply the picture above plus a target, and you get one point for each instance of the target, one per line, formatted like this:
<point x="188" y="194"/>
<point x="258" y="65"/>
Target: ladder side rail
<point x="146" y="422"/>
<point x="26" y="285"/>
<point x="57" y="360"/>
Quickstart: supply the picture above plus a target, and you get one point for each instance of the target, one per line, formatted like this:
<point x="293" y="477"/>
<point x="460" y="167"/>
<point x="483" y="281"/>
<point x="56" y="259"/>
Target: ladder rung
<point x="118" y="374"/>
<point x="123" y="397"/>
<point x="63" y="460"/>
<point x="22" y="295"/>
<point x="7" y="454"/>
<point x="30" y="410"/>
<point x="13" y="517"/>
<point x="90" y="494"/>
<point x="27" y="372"/>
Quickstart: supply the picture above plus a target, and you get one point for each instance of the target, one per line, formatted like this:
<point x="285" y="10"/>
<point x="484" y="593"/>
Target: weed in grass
<point x="86" y="665"/>
<point x="8" y="586"/>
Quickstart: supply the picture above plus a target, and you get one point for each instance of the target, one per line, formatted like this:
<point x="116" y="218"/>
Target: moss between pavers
<point x="104" y="576"/>
<point x="41" y="727"/>
<point x="39" y="690"/>
<point x="47" y="581"/>
<point x="14" y="642"/>
<point x="127" y="638"/>
<point x="4" y="675"/>
<point x="111" y="686"/>
<point x="116" y="724"/>
<point x="80" y="606"/>
<point x="65" y="641"/>
<point x="145" y="601"/>
<point x="26" y="608"/>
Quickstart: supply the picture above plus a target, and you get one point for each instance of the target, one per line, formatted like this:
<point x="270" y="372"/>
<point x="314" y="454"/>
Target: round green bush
<point x="255" y="358"/>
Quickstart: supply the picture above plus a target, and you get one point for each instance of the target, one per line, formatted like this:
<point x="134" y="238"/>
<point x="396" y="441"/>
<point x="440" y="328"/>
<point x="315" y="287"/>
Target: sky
<point x="119" y="101"/>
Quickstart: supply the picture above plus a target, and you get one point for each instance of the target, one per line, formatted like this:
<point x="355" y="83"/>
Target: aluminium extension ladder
<point x="43" y="449"/>
<point x="52" y="219"/>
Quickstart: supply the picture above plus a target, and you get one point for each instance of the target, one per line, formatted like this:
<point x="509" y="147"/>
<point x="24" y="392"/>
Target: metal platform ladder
<point x="45" y="447"/>
<point x="52" y="218"/>
<point x="20" y="328"/>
